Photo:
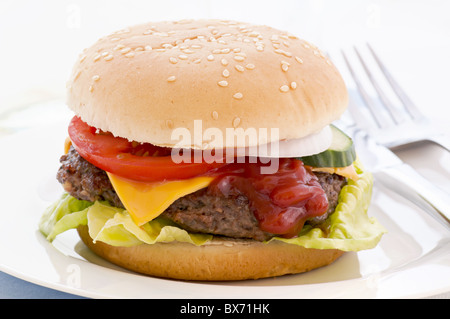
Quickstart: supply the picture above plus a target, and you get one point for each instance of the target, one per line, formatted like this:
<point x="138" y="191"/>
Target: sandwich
<point x="206" y="150"/>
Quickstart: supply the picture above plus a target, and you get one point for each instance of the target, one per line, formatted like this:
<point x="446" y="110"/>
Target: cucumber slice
<point x="341" y="152"/>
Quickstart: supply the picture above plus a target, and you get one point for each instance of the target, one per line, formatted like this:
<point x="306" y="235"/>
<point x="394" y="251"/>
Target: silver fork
<point x="395" y="125"/>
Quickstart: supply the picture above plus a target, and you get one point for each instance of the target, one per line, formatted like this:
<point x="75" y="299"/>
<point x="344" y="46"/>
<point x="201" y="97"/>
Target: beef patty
<point x="197" y="212"/>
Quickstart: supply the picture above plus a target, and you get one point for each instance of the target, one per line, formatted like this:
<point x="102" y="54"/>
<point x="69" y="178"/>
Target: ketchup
<point x="281" y="202"/>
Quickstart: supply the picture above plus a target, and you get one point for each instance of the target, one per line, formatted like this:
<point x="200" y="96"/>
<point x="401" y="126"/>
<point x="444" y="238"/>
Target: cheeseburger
<point x="205" y="150"/>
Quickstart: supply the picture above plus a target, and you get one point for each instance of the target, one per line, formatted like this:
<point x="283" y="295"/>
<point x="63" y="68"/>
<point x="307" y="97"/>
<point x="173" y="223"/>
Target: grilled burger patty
<point x="197" y="212"/>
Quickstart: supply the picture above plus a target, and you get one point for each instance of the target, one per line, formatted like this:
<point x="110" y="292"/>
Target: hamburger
<point x="205" y="150"/>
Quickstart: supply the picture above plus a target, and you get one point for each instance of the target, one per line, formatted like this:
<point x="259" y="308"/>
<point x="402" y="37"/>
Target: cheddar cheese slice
<point x="348" y="171"/>
<point x="146" y="201"/>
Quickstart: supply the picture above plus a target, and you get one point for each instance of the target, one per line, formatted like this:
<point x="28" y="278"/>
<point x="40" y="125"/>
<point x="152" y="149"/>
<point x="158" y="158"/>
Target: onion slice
<point x="305" y="146"/>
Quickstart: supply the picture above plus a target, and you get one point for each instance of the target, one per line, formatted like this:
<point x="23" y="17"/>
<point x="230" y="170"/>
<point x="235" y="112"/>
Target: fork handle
<point x="404" y="180"/>
<point x="442" y="140"/>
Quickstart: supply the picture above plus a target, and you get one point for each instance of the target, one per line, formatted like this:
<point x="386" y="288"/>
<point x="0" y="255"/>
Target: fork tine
<point x="404" y="98"/>
<point x="381" y="123"/>
<point x="393" y="112"/>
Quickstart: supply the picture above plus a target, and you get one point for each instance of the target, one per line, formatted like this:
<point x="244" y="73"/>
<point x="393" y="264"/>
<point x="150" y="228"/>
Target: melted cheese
<point x="348" y="171"/>
<point x="146" y="201"/>
<point x="67" y="144"/>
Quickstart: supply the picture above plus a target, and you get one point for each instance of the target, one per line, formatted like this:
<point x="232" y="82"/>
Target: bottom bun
<point x="220" y="260"/>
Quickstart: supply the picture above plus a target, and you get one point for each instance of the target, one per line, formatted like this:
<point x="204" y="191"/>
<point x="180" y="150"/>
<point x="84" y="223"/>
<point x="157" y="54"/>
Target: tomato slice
<point x="137" y="161"/>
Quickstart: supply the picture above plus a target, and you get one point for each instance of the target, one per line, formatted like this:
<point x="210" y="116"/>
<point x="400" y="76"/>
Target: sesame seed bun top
<point x="144" y="81"/>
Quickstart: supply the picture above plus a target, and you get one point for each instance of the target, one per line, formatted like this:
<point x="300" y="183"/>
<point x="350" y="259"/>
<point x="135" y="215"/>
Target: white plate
<point x="411" y="261"/>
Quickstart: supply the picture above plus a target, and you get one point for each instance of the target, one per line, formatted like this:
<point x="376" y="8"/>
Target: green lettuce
<point x="349" y="227"/>
<point x="111" y="225"/>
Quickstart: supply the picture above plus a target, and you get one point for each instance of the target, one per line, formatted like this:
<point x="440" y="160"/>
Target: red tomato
<point x="136" y="161"/>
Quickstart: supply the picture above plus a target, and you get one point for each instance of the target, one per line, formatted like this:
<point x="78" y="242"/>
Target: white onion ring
<point x="308" y="145"/>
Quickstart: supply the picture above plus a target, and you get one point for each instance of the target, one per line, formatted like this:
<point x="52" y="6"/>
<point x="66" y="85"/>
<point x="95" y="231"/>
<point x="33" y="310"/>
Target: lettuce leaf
<point x="111" y="225"/>
<point x="64" y="214"/>
<point x="349" y="227"/>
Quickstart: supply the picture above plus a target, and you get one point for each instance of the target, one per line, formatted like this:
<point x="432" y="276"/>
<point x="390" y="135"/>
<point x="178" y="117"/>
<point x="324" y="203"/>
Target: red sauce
<point x="281" y="202"/>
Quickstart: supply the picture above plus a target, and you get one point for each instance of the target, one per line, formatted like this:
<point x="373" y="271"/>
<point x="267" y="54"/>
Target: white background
<point x="40" y="40"/>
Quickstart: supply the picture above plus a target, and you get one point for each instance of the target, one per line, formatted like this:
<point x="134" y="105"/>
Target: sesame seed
<point x="237" y="50"/>
<point x="197" y="61"/>
<point x="91" y="88"/>
<point x="224" y="51"/>
<point x="240" y="68"/>
<point x="236" y="122"/>
<point x="138" y="49"/>
<point x="105" y="53"/>
<point x="196" y="46"/>
<point x="169" y="124"/>
<point x="148" y="48"/>
<point x="125" y="50"/>
<point x="83" y="58"/>
<point x="108" y="57"/>
<point x="260" y="48"/>
<point x="293" y="85"/>
<point x="77" y="75"/>
<point x="97" y="57"/>
<point x="210" y="57"/>
<point x="250" y="66"/>
<point x="284" y="88"/>
<point x="224" y="62"/>
<point x="188" y="51"/>
<point x="222" y="83"/>
<point x="115" y="39"/>
<point x="171" y="78"/>
<point x="215" y="115"/>
<point x="285" y="53"/>
<point x="299" y="60"/>
<point x="160" y="50"/>
<point x="173" y="60"/>
<point x="96" y="78"/>
<point x="129" y="54"/>
<point x="118" y="47"/>
<point x="183" y="57"/>
<point x="226" y="73"/>
<point x="284" y="67"/>
<point x="217" y="51"/>
<point x="238" y="96"/>
<point x="239" y="58"/>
